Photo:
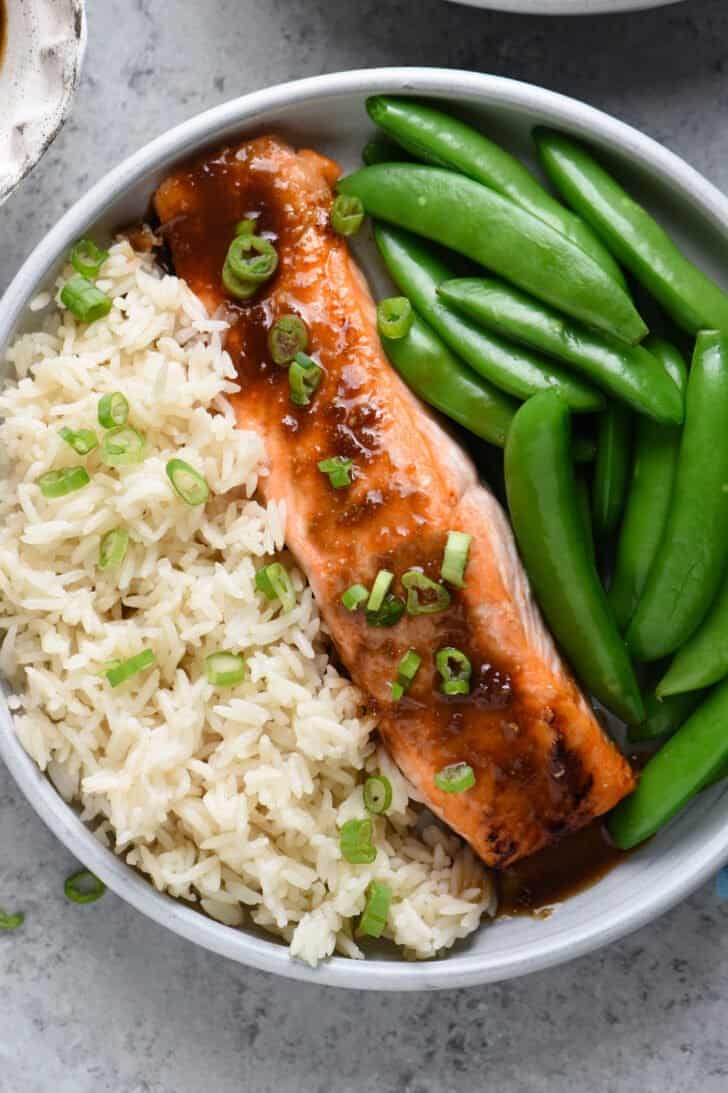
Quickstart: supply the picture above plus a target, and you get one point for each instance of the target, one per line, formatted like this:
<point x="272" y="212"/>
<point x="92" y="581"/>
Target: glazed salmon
<point x="543" y="765"/>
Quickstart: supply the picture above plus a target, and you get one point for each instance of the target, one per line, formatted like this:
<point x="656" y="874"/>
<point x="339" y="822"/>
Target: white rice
<point x="231" y="799"/>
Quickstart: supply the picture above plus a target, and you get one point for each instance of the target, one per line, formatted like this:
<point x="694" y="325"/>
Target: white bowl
<point x="39" y="71"/>
<point x="328" y="113"/>
<point x="566" y="7"/>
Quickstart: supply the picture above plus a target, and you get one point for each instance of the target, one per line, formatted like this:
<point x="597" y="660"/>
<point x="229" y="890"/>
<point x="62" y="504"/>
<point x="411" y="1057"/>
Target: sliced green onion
<point x="245" y="227"/>
<point x="11" y="922"/>
<point x="288" y="336"/>
<point x="87" y="259"/>
<point x="347" y="215"/>
<point x="224" y="669"/>
<point x="415" y="582"/>
<point x="356" y="842"/>
<point x="354" y="597"/>
<point x="112" y="549"/>
<point x="407" y="669"/>
<point x="251" y="260"/>
<point x="82" y="441"/>
<point x="304" y="376"/>
<point x="395" y="317"/>
<point x="113" y="410"/>
<point x="125" y="669"/>
<point x="84" y="887"/>
<point x="122" y="447"/>
<point x="338" y="468"/>
<point x="455" y="680"/>
<point x="84" y="300"/>
<point x="274" y="581"/>
<point x="455" y="557"/>
<point x="380" y="588"/>
<point x="388" y="614"/>
<point x="377" y="794"/>
<point x="61" y="482"/>
<point x="376" y="911"/>
<point x="455" y="778"/>
<point x="187" y="483"/>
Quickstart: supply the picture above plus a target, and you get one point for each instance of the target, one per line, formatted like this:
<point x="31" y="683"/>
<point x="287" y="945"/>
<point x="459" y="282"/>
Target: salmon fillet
<point x="542" y="763"/>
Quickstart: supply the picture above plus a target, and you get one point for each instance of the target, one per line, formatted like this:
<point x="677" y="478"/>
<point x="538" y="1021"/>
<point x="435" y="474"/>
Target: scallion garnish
<point x="455" y="558"/>
<point x="112" y="549"/>
<point x="113" y="410"/>
<point x="347" y="215"/>
<point x="455" y="778"/>
<point x="125" y="669"/>
<point x="415" y="582"/>
<point x="82" y="441"/>
<point x="224" y="669"/>
<point x="59" y="483"/>
<point x="187" y="483"/>
<point x="355" y="841"/>
<point x="395" y="317"/>
<point x="274" y="581"/>
<point x="377" y="794"/>
<point x="380" y="588"/>
<point x="455" y="669"/>
<point x="376" y="911"/>
<point x="11" y="922"/>
<point x="388" y="614"/>
<point x="354" y="597"/>
<point x="288" y="336"/>
<point x="84" y="300"/>
<point x="304" y="376"/>
<point x="122" y="447"/>
<point x="407" y="669"/>
<point x="84" y="887"/>
<point x="87" y="259"/>
<point x="338" y="468"/>
<point x="245" y="227"/>
<point x="251" y="261"/>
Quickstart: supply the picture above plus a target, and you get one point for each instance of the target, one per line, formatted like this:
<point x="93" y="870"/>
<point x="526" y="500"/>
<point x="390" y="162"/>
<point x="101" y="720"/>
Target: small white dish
<point x="328" y="113"/>
<point x="40" y="67"/>
<point x="565" y="7"/>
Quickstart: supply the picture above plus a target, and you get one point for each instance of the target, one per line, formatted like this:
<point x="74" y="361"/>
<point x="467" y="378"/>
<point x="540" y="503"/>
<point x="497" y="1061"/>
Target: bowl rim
<point x="457" y="969"/>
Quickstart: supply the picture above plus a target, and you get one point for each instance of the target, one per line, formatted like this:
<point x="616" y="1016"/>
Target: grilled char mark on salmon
<point x="542" y="763"/>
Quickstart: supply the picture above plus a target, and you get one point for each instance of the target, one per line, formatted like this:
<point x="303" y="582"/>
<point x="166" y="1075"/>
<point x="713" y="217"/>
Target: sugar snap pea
<point x="611" y="469"/>
<point x="690" y="760"/>
<point x="380" y="149"/>
<point x="629" y="374"/>
<point x="444" y="141"/>
<point x="549" y="527"/>
<point x="656" y="449"/>
<point x="417" y="271"/>
<point x="690" y="561"/>
<point x="664" y="716"/>
<point x="691" y="298"/>
<point x="469" y="218"/>
<point x="703" y="659"/>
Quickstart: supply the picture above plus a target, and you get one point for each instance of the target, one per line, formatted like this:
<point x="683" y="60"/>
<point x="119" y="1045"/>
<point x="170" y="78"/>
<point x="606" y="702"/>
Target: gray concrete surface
<point x="97" y="999"/>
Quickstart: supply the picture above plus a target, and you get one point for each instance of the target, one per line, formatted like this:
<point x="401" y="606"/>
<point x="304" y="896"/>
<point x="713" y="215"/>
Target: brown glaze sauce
<point x="534" y="885"/>
<point x="496" y="728"/>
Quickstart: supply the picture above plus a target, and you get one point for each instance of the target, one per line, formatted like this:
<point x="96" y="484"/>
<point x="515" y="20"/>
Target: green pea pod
<point x="584" y="503"/>
<point x="690" y="760"/>
<point x="629" y="374"/>
<point x="477" y="222"/>
<point x="549" y="528"/>
<point x="632" y="235"/>
<point x="664" y="716"/>
<point x="381" y="149"/>
<point x="703" y="659"/>
<point x="611" y="469"/>
<point x="656" y="450"/>
<point x="444" y="141"/>
<point x="435" y="374"/>
<point x="690" y="561"/>
<point x="418" y="272"/>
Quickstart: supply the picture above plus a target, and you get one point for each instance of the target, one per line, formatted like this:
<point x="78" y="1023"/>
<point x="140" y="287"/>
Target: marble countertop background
<point x="99" y="1000"/>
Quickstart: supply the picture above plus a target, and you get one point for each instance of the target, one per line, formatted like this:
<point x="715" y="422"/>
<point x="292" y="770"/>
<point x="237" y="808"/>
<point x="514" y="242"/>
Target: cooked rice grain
<point x="231" y="799"/>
